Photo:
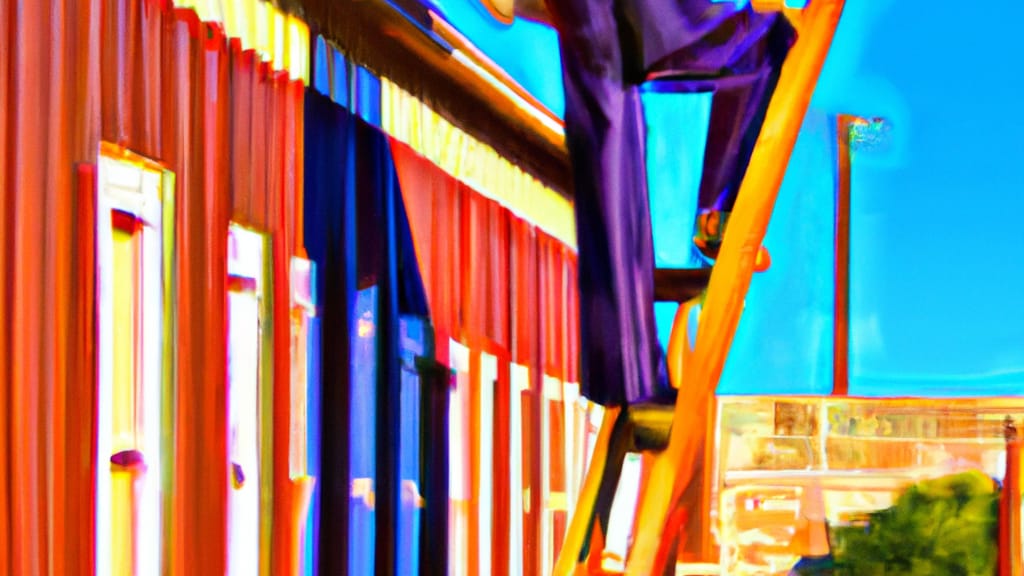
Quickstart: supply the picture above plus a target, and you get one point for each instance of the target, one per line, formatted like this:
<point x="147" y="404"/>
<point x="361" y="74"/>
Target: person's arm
<point x="507" y="11"/>
<point x="536" y="10"/>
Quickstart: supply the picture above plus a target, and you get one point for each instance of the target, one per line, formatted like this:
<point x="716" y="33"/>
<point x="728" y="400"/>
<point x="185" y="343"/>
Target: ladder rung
<point x="679" y="285"/>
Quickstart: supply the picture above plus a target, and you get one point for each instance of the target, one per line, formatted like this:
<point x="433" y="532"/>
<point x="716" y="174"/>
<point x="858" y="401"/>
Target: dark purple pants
<point x="608" y="48"/>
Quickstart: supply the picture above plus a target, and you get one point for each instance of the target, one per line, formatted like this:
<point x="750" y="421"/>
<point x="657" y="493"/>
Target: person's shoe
<point x="710" y="231"/>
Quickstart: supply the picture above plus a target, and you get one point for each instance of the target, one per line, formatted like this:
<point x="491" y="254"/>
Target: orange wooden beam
<point x="841" y="318"/>
<point x="1009" y="507"/>
<point x="459" y="42"/>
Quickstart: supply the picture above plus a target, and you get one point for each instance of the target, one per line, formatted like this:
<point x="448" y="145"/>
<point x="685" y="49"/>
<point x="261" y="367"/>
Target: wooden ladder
<point x="674" y="466"/>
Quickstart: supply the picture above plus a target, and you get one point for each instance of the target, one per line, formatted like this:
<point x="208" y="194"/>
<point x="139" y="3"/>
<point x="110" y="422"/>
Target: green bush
<point x="946" y="527"/>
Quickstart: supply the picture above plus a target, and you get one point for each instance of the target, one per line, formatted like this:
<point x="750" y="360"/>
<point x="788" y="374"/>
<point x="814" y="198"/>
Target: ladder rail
<point x="731" y="275"/>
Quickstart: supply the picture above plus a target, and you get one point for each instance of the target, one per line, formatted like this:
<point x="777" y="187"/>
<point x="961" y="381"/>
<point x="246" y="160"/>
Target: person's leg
<point x="604" y="135"/>
<point x="736" y="108"/>
<point x="739" y="61"/>
<point x="616" y="258"/>
<point x="737" y="113"/>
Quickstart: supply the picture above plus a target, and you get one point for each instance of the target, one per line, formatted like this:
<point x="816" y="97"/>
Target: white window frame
<point x="135" y="186"/>
<point x="252" y="245"/>
<point x="519" y="382"/>
<point x="459" y="481"/>
<point x="485" y="458"/>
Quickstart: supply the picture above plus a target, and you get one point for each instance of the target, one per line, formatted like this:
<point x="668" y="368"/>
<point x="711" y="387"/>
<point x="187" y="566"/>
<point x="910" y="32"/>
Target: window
<point x="575" y="409"/>
<point x="130" y="261"/>
<point x="459" y="472"/>
<point x="623" y="515"/>
<point x="520" y="469"/>
<point x="305" y="383"/>
<point x="303" y="310"/>
<point x="363" y="434"/>
<point x="553" y="475"/>
<point x="412" y="339"/>
<point x="591" y="427"/>
<point x="245" y="302"/>
<point x="485" y="460"/>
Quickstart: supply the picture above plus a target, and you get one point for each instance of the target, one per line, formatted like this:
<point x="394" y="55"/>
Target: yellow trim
<point x="207" y="10"/>
<point x="122" y="154"/>
<point x="260" y="30"/>
<point x="558" y="502"/>
<point x="478" y="165"/>
<point x="298" y="50"/>
<point x="278" y="38"/>
<point x="232" y="18"/>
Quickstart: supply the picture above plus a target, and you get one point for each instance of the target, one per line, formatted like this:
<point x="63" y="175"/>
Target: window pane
<point x="409" y="459"/>
<point x="557" y="499"/>
<point x="529" y="462"/>
<point x="125" y="391"/>
<point x="245" y="265"/>
<point x="459" y="461"/>
<point x="488" y="380"/>
<point x="297" y="455"/>
<point x="125" y="336"/>
<point x="244" y="445"/>
<point x="362" y="433"/>
<point x="620" y="523"/>
<point x="459" y="476"/>
<point x="131" y="377"/>
<point x="517" y="478"/>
